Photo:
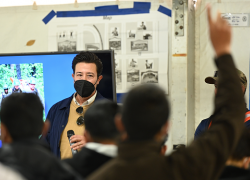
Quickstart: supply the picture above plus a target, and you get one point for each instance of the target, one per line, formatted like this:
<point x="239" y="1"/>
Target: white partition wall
<point x="204" y="65"/>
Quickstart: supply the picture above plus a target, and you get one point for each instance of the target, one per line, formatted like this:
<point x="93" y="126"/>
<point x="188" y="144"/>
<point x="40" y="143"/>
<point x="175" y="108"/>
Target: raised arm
<point x="205" y="157"/>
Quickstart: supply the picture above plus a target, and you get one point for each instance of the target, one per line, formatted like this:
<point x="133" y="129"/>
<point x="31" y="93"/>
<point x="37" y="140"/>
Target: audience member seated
<point x="206" y="123"/>
<point x="164" y="147"/>
<point x="21" y="125"/>
<point x="144" y="124"/>
<point x="100" y="134"/>
<point x="237" y="166"/>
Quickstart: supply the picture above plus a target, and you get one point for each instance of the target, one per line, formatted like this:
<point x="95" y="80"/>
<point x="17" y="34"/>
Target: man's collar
<point x="89" y="101"/>
<point x="105" y="149"/>
<point x="66" y="102"/>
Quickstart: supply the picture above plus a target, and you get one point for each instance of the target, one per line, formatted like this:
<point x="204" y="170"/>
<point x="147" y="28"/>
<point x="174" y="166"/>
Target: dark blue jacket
<point x="204" y="124"/>
<point x="58" y="117"/>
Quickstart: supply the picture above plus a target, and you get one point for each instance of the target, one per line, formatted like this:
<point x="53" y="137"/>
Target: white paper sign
<point x="236" y="19"/>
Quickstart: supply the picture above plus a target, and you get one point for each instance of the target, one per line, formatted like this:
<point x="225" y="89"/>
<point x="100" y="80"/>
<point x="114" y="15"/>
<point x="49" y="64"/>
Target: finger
<point x="210" y="21"/>
<point x="219" y="18"/>
<point x="78" y="147"/>
<point x="73" y="136"/>
<point x="76" y="139"/>
<point x="76" y="144"/>
<point x="77" y="136"/>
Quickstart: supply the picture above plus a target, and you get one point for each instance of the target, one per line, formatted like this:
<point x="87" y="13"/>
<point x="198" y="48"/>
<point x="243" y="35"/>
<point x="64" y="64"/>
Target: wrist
<point x="221" y="52"/>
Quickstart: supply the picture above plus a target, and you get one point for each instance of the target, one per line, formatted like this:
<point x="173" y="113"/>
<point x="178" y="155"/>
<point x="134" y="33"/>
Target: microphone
<point x="69" y="134"/>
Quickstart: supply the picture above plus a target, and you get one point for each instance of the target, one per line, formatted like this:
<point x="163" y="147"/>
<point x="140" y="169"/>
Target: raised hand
<point x="220" y="33"/>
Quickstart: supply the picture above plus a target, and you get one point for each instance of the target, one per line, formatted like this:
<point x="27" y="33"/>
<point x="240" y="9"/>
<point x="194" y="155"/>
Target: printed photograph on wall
<point x="149" y="64"/>
<point x="147" y="35"/>
<point x="139" y="45"/>
<point x="115" y="43"/>
<point x="92" y="46"/>
<point x="133" y="63"/>
<point x="115" y="31"/>
<point x="131" y="34"/>
<point x="149" y="77"/>
<point x="115" y="37"/>
<point x="66" y="41"/>
<point x="139" y="37"/>
<point x="133" y="75"/>
<point x="93" y="36"/>
<point x="141" y="25"/>
<point x="118" y="74"/>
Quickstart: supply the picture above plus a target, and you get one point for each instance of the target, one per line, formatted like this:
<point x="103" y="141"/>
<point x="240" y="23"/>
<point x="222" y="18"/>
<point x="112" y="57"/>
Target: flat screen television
<point x="51" y="73"/>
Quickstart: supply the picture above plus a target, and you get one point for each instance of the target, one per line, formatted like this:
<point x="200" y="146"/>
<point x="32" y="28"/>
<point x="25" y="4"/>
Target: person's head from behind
<point x="215" y="78"/>
<point x="21" y="117"/>
<point x="240" y="157"/>
<point x="99" y="122"/>
<point x="145" y="114"/>
<point x="87" y="66"/>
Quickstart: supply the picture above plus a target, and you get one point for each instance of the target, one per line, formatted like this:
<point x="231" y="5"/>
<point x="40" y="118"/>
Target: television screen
<point x="49" y="75"/>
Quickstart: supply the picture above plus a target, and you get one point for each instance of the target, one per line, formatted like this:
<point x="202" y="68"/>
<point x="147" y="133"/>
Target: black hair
<point x="99" y="120"/>
<point x="242" y="149"/>
<point x="22" y="114"/>
<point x="88" y="57"/>
<point x="145" y="111"/>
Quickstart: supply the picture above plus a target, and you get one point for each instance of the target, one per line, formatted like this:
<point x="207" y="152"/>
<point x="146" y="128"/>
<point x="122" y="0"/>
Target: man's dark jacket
<point x="234" y="173"/>
<point x="33" y="159"/>
<point x="204" y="159"/>
<point x="87" y="161"/>
<point x="58" y="117"/>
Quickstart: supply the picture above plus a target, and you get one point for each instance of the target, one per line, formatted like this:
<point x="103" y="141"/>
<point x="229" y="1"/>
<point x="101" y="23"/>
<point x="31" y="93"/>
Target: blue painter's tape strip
<point x="142" y="5"/>
<point x="107" y="8"/>
<point x="139" y="8"/>
<point x="49" y="17"/>
<point x="62" y="14"/>
<point x="165" y="10"/>
<point x="120" y="97"/>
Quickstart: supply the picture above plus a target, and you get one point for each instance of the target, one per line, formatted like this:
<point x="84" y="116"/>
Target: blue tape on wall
<point x="139" y="8"/>
<point x="49" y="17"/>
<point x="119" y="97"/>
<point x="165" y="10"/>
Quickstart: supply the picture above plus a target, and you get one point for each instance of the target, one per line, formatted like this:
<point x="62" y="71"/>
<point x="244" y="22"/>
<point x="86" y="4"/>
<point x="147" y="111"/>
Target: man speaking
<point x="68" y="114"/>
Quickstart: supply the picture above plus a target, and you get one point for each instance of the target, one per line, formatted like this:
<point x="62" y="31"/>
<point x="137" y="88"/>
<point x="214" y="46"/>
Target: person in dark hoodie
<point x="21" y="125"/>
<point x="238" y="163"/>
<point x="144" y="123"/>
<point x="100" y="134"/>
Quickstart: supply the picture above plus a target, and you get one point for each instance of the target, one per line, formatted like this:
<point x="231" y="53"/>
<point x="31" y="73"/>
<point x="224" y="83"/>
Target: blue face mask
<point x="84" y="88"/>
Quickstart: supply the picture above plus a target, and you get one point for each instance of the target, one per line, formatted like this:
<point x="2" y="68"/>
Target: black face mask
<point x="84" y="88"/>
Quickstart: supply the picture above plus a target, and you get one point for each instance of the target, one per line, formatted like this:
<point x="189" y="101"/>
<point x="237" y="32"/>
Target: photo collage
<point x="136" y="44"/>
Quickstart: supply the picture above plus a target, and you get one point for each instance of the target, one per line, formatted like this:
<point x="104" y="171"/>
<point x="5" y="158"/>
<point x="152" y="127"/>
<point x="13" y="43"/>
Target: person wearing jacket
<point x="206" y="123"/>
<point x="22" y="151"/>
<point x="68" y="114"/>
<point x="144" y="124"/>
<point x="100" y="133"/>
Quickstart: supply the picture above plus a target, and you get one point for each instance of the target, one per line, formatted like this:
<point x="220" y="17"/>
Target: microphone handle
<point x="72" y="150"/>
